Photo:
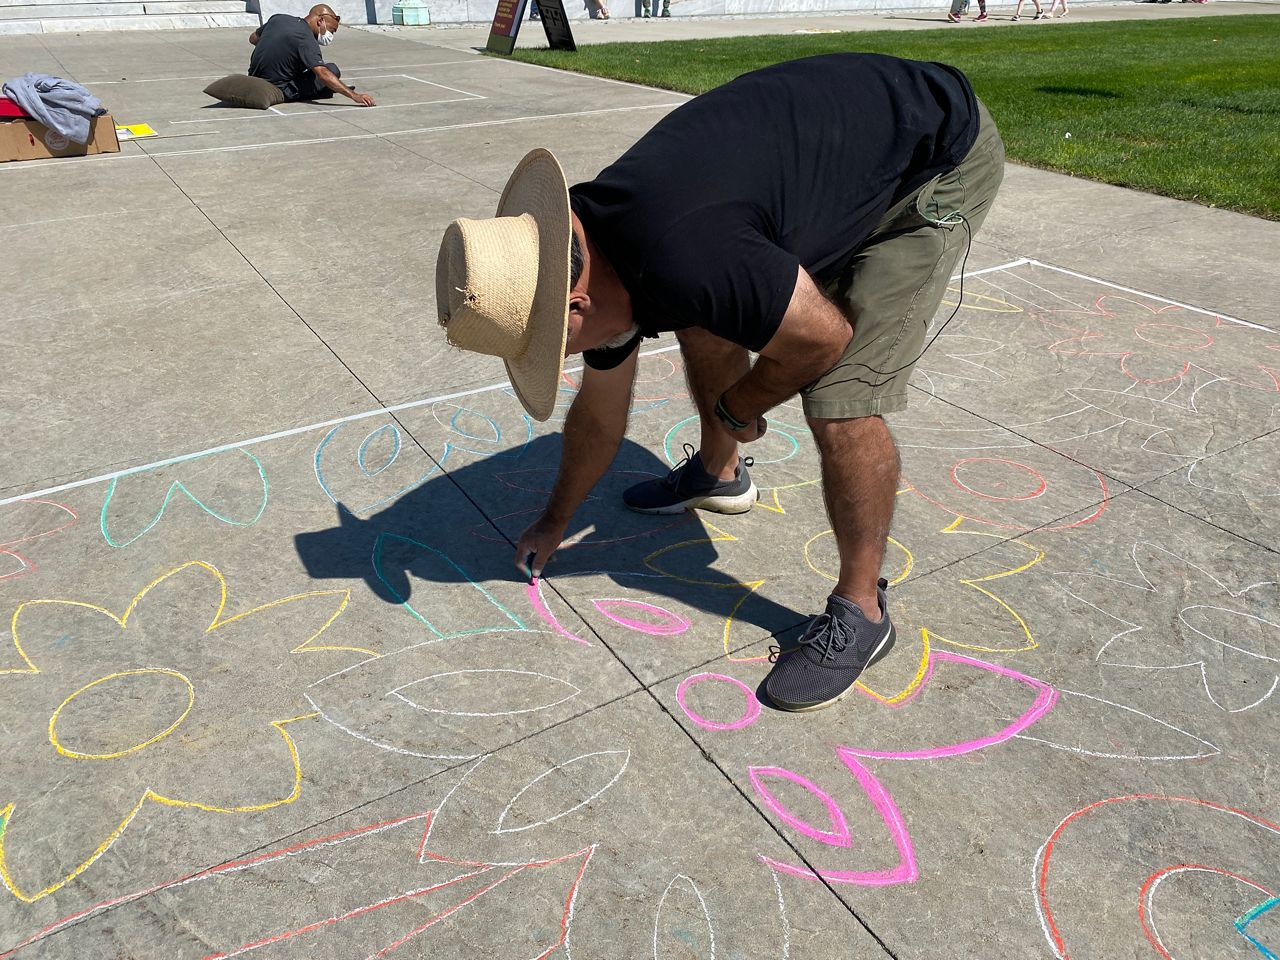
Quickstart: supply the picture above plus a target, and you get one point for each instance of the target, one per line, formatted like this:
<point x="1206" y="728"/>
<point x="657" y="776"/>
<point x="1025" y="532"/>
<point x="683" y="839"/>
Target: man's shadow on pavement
<point x="433" y="534"/>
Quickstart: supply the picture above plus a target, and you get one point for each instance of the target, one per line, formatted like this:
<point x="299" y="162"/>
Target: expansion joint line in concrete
<point x="1021" y="436"/>
<point x="283" y="839"/>
<point x="1192" y="516"/>
<point x="648" y="689"/>
<point x="231" y="243"/>
<point x="1139" y="488"/>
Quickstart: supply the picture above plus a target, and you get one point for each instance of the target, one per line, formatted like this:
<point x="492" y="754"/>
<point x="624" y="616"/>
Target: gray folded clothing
<point x="61" y="105"/>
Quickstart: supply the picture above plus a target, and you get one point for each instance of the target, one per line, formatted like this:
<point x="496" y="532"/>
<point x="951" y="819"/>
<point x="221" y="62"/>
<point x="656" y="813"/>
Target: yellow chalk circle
<point x="153" y="671"/>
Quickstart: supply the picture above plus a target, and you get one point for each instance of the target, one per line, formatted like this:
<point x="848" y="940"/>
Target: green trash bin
<point x="410" y="13"/>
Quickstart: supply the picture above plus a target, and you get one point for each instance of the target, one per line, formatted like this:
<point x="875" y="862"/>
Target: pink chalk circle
<point x="1034" y="483"/>
<point x="749" y="715"/>
<point x="643" y="617"/>
<point x="1172" y="336"/>
<point x="837" y="836"/>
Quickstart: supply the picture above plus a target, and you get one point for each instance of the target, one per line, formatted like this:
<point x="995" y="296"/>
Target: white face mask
<point x="325" y="38"/>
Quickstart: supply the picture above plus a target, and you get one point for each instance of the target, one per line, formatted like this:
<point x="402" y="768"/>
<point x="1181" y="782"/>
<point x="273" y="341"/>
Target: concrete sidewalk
<point x="272" y="686"/>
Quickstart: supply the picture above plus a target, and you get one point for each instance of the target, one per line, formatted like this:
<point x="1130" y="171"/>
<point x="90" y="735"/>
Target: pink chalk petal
<point x="643" y="617"/>
<point x="539" y="604"/>
<point x="837" y="836"/>
<point x="1046" y="697"/>
<point x="905" y="871"/>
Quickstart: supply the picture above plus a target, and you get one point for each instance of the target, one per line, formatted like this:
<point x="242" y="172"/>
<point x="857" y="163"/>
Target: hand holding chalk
<point x="537" y="545"/>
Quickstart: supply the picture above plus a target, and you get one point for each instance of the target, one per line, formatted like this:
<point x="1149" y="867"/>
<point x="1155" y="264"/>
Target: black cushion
<point x="242" y="91"/>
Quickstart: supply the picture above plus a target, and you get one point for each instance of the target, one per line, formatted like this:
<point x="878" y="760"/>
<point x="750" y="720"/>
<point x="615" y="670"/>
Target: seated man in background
<point x="287" y="53"/>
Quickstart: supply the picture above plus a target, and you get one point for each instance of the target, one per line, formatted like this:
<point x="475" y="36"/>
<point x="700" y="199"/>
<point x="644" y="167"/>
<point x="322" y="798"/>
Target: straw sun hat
<point x="502" y="284"/>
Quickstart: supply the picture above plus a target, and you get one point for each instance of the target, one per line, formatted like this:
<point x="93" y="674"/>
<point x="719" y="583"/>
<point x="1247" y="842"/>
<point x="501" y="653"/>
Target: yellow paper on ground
<point x="134" y="130"/>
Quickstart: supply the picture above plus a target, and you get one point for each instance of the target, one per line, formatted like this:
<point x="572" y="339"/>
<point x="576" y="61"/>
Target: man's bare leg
<point x="711" y="366"/>
<point x="860" y="484"/>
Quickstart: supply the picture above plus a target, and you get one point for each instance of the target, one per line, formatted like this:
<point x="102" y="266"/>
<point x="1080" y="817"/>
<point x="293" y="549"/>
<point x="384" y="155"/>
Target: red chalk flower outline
<point x="1164" y="344"/>
<point x="58" y="519"/>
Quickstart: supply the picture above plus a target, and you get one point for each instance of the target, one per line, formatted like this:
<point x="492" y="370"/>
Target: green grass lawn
<point x="1185" y="108"/>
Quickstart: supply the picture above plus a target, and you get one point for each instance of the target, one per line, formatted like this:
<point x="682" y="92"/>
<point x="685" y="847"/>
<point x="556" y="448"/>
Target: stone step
<point x="177" y="21"/>
<point x="34" y="9"/>
<point x="52" y="11"/>
<point x="193" y="6"/>
<point x="61" y="10"/>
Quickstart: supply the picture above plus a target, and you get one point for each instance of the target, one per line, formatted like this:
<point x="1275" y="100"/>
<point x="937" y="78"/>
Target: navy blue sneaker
<point x="689" y="487"/>
<point x="838" y="645"/>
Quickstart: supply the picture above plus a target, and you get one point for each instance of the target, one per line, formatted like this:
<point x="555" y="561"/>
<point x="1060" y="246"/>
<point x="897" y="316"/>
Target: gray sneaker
<point x="689" y="487"/>
<point x="838" y="645"/>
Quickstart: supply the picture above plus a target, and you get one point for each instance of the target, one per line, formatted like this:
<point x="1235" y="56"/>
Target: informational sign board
<point x="510" y="14"/>
<point x="556" y="24"/>
<point x="506" y="24"/>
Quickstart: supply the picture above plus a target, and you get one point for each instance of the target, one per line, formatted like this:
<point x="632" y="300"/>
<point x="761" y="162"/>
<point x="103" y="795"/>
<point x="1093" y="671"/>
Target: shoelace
<point x="839" y="635"/>
<point x="672" y="481"/>
<point x="827" y="635"/>
<point x="676" y="474"/>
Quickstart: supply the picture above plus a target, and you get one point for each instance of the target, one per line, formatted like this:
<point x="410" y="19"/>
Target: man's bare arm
<point x="809" y="342"/>
<point x="330" y="80"/>
<point x="593" y="431"/>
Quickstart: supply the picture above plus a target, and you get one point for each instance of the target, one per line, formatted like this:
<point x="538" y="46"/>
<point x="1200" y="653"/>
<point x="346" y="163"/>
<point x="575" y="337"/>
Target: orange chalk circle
<point x="1009" y="481"/>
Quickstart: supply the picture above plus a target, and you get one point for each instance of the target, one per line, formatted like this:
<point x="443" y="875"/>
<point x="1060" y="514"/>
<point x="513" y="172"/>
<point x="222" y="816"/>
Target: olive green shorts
<point x="894" y="285"/>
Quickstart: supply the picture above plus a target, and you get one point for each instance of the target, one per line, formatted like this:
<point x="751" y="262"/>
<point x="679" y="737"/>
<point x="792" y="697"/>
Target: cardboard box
<point x="32" y="140"/>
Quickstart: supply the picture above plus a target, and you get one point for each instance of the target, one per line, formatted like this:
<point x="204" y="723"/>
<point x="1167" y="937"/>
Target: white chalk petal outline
<point x="492" y="713"/>
<point x="1213" y="751"/>
<point x="706" y="914"/>
<point x="563" y="813"/>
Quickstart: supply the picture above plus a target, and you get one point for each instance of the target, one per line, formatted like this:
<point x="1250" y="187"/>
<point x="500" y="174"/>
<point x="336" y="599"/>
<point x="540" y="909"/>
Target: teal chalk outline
<point x="178" y="485"/>
<point x="377" y="568"/>
<point x="453" y="425"/>
<point x="1243" y="922"/>
<point x="459" y="409"/>
<point x="364" y="446"/>
<point x="773" y="425"/>
<point x="319" y="471"/>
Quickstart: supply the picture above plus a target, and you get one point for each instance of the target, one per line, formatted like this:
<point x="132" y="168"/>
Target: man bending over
<point x="821" y="207"/>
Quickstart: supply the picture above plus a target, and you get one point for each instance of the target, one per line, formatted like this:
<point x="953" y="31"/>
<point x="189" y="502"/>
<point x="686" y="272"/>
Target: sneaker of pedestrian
<point x="689" y="487"/>
<point x="953" y="18"/>
<point x="980" y="17"/>
<point x="1039" y="15"/>
<point x="1015" y="18"/>
<point x="835" y="649"/>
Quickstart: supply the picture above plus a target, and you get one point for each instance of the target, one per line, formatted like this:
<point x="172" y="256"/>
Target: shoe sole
<point x="882" y="651"/>
<point x="740" y="503"/>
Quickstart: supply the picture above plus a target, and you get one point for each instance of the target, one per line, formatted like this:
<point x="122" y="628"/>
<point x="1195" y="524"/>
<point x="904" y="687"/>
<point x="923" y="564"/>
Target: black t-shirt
<point x="709" y="215"/>
<point x="286" y="50"/>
